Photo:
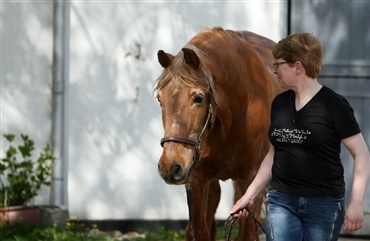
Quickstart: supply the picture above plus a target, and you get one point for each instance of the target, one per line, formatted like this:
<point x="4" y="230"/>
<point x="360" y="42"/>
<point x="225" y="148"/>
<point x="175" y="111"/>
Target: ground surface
<point x="263" y="238"/>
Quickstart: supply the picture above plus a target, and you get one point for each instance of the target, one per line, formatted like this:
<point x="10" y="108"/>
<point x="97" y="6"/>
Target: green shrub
<point x="21" y="177"/>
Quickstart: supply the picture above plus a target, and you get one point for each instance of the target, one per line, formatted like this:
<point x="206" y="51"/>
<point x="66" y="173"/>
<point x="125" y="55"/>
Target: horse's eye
<point x="198" y="99"/>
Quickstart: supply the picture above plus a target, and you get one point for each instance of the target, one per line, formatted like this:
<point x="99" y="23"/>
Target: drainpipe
<point x="289" y="17"/>
<point x="59" y="192"/>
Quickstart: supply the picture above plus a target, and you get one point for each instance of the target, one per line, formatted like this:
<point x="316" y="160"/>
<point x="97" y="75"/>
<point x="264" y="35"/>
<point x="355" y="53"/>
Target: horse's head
<point x="186" y="96"/>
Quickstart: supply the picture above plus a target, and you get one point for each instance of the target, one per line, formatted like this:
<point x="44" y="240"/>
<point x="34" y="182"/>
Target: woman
<point x="305" y="199"/>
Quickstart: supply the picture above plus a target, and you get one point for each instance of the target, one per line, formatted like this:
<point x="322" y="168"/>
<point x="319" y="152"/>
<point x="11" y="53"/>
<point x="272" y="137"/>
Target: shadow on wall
<point x="113" y="112"/>
<point x="26" y="69"/>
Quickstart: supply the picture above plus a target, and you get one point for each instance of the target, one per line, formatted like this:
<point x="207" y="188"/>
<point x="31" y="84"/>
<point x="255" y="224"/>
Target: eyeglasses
<point x="276" y="65"/>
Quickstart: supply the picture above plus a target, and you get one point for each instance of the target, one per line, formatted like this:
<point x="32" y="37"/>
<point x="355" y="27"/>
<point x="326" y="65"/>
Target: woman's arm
<point x="356" y="145"/>
<point x="261" y="180"/>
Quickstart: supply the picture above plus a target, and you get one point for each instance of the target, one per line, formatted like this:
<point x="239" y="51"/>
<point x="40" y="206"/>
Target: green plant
<point x="21" y="177"/>
<point x="76" y="231"/>
<point x="23" y="232"/>
<point x="163" y="234"/>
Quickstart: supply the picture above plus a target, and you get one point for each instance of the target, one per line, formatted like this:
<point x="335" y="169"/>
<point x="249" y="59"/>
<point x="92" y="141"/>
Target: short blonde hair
<point x="303" y="47"/>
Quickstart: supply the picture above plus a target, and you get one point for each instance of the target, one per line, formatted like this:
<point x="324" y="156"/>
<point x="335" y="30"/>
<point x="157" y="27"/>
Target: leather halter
<point x="195" y="143"/>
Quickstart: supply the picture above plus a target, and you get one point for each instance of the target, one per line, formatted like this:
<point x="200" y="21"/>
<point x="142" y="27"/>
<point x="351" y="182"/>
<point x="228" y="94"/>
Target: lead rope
<point x="229" y="224"/>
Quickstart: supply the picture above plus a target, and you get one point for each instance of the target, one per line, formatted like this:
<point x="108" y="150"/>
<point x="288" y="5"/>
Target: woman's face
<point x="285" y="73"/>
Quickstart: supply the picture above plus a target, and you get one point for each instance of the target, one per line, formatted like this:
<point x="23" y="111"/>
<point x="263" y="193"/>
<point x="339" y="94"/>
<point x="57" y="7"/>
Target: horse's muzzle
<point x="175" y="175"/>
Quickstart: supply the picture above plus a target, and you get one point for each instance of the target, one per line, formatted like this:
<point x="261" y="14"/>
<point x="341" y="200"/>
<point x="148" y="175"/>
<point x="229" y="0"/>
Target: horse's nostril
<point x="177" y="172"/>
<point x="177" y="168"/>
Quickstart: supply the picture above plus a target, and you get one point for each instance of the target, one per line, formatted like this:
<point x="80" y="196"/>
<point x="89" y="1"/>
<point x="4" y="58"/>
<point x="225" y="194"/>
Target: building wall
<point x="26" y="73"/>
<point x="111" y="122"/>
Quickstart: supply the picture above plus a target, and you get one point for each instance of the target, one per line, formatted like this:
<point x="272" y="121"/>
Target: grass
<point x="75" y="231"/>
<point x="21" y="232"/>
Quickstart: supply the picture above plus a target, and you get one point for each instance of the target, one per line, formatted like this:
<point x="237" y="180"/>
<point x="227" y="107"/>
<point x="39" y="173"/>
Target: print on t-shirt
<point x="294" y="136"/>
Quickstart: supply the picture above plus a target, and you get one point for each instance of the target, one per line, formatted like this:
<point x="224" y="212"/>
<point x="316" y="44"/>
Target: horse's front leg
<point x="203" y="199"/>
<point x="213" y="196"/>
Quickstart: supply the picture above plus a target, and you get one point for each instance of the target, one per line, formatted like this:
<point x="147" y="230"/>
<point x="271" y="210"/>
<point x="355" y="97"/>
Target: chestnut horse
<point x="215" y="96"/>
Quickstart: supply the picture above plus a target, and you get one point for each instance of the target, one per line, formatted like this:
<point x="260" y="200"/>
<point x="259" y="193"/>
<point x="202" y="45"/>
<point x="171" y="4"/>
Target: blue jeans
<point x="294" y="218"/>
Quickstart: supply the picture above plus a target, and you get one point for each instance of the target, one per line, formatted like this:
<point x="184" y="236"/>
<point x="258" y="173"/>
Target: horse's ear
<point x="164" y="58"/>
<point x="191" y="58"/>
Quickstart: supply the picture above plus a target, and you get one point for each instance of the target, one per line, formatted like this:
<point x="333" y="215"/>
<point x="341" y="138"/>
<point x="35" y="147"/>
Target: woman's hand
<point x="354" y="219"/>
<point x="239" y="209"/>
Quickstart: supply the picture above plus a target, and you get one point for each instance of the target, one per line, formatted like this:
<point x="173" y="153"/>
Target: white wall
<point x="26" y="73"/>
<point x="113" y="122"/>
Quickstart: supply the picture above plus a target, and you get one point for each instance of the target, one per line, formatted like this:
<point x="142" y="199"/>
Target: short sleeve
<point x="344" y="120"/>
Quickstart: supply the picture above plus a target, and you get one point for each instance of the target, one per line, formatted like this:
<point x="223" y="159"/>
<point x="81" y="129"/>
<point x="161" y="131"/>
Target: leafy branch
<point x="22" y="179"/>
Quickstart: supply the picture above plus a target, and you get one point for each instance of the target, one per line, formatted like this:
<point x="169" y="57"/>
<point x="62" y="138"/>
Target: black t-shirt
<point x="307" y="143"/>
